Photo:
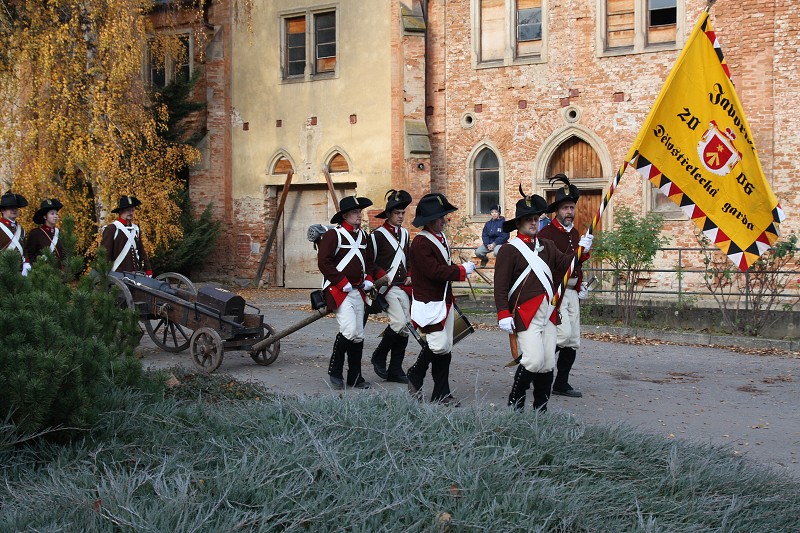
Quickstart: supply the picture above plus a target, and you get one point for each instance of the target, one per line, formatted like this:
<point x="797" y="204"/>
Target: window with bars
<point x="486" y="181"/>
<point x="309" y="46"/>
<point x="634" y="25"/>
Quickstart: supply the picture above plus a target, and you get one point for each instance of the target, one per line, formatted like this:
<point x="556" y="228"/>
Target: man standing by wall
<point x="12" y="235"/>
<point x="566" y="238"/>
<point x="390" y="248"/>
<point x="493" y="236"/>
<point x="432" y="296"/>
<point x="346" y="276"/>
<point x="122" y="240"/>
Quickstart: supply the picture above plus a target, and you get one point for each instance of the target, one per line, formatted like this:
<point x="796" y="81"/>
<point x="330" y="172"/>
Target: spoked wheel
<point x="166" y="334"/>
<point x="266" y="356"/>
<point x="206" y="349"/>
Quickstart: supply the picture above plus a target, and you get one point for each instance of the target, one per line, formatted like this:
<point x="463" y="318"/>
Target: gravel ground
<point x="746" y="402"/>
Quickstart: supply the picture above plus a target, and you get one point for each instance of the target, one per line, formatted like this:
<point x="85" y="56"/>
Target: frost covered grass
<point x="375" y="462"/>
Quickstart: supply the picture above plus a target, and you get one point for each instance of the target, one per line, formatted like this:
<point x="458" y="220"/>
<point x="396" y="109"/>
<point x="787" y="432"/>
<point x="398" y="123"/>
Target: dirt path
<point x="748" y="403"/>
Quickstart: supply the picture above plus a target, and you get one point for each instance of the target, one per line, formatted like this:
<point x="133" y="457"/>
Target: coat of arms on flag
<point x="697" y="148"/>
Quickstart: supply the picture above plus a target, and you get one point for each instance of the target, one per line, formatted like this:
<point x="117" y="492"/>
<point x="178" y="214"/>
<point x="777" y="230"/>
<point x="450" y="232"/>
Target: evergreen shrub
<point x="62" y="347"/>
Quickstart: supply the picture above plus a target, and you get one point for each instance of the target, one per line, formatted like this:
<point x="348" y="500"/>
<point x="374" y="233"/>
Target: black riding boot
<point x="378" y="359"/>
<point x="336" y="366"/>
<point x="416" y="374"/>
<point x="354" y="353"/>
<point x="542" y="381"/>
<point x="395" y="372"/>
<point x="519" y="390"/>
<point x="440" y="371"/>
<point x="561" y="386"/>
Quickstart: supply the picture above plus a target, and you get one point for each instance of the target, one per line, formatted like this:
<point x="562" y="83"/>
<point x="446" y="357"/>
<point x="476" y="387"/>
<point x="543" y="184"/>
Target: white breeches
<point x="350" y="316"/>
<point x="569" y="331"/>
<point x="399" y="310"/>
<point x="441" y="342"/>
<point x="538" y="342"/>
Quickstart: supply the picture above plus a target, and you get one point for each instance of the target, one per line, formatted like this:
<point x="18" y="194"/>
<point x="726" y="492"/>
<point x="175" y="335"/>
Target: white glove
<point x="584" y="292"/>
<point x="469" y="266"/>
<point x="368" y="285"/>
<point x="347" y="288"/>
<point x="26" y="267"/>
<point x="586" y="242"/>
<point x="506" y="324"/>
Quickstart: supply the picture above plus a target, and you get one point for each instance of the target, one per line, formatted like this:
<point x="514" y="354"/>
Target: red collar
<point x="124" y="222"/>
<point x="439" y="236"/>
<point x="48" y="229"/>
<point x="559" y="226"/>
<point x="391" y="227"/>
<point x="7" y="222"/>
<point x="525" y="238"/>
<point x="348" y="227"/>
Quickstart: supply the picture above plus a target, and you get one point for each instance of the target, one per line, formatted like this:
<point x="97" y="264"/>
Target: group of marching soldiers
<point x="121" y="239"/>
<point x="415" y="278"/>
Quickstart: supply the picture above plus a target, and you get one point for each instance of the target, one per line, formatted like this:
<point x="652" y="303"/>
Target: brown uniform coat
<point x="567" y="242"/>
<point x="114" y="241"/>
<point x="431" y="274"/>
<point x="328" y="256"/>
<point x="5" y="241"/>
<point x="40" y="238"/>
<point x="510" y="264"/>
<point x="384" y="252"/>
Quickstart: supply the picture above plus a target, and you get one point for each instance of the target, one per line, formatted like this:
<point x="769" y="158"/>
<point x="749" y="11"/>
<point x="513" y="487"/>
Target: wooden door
<point x="304" y="206"/>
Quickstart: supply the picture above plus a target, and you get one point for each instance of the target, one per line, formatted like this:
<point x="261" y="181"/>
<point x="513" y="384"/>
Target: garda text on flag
<point x="697" y="148"/>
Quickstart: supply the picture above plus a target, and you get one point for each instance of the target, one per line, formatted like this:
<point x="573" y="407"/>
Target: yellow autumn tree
<point x="78" y="122"/>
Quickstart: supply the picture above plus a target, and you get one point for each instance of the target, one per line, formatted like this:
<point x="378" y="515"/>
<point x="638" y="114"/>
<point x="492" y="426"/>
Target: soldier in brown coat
<point x="346" y="270"/>
<point x="12" y="234"/>
<point x="523" y="291"/>
<point x="122" y="240"/>
<point x="46" y="235"/>
<point x="432" y="296"/>
<point x="390" y="245"/>
<point x="564" y="235"/>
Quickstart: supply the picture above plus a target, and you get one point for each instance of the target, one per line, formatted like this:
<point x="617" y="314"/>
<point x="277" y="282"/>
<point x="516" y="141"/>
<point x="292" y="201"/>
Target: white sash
<point x="130" y="232"/>
<point x="426" y="313"/>
<point x="14" y="237"/>
<point x="353" y="249"/>
<point x="399" y="247"/>
<point x="54" y="241"/>
<point x="535" y="265"/>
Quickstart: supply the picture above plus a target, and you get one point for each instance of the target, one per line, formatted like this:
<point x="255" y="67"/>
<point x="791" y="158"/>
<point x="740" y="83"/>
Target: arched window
<point x="338" y="164"/>
<point x="486" y="184"/>
<point x="283" y="166"/>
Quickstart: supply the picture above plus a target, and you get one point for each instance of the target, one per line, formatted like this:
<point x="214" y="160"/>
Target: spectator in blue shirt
<point x="493" y="236"/>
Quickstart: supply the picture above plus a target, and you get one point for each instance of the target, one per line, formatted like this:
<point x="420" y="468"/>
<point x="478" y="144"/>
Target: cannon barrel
<point x="316" y="315"/>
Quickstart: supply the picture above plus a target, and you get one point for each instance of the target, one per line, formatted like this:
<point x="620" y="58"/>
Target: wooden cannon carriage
<point x="177" y="315"/>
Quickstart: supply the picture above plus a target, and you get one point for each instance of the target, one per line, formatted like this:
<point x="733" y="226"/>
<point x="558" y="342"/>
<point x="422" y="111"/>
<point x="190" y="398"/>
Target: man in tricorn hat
<point x="346" y="270"/>
<point x="432" y="296"/>
<point x="46" y="235"/>
<point x="390" y="248"/>
<point x="12" y="235"/>
<point x="523" y="290"/>
<point x="122" y="240"/>
<point x="566" y="238"/>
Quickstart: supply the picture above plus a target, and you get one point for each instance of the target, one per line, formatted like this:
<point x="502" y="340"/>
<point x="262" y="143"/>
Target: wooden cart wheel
<point x="206" y="349"/>
<point x="266" y="356"/>
<point x="124" y="298"/>
<point x="166" y="334"/>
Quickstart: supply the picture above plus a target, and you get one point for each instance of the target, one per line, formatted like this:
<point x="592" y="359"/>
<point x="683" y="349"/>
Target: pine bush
<point x="62" y="348"/>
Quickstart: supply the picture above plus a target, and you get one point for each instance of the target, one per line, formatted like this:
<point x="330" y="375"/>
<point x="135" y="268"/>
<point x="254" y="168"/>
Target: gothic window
<point x="486" y="181"/>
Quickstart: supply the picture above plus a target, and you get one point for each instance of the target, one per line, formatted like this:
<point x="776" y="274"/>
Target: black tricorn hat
<point x="528" y="205"/>
<point x="11" y="200"/>
<point x="432" y="206"/>
<point x="46" y="207"/>
<point x="563" y="194"/>
<point x="348" y="203"/>
<point x="396" y="200"/>
<point x="126" y="202"/>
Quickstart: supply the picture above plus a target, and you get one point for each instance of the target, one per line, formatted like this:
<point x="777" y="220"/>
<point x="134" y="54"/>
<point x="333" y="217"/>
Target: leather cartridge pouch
<point x="317" y="300"/>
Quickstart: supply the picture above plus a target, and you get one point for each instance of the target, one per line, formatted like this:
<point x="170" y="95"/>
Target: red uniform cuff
<point x="505" y="313"/>
<point x="341" y="283"/>
<point x="462" y="273"/>
<point x="149" y="272"/>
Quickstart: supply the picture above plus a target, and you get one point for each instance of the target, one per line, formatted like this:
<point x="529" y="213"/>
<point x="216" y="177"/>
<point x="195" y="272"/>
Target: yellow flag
<point x="697" y="148"/>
